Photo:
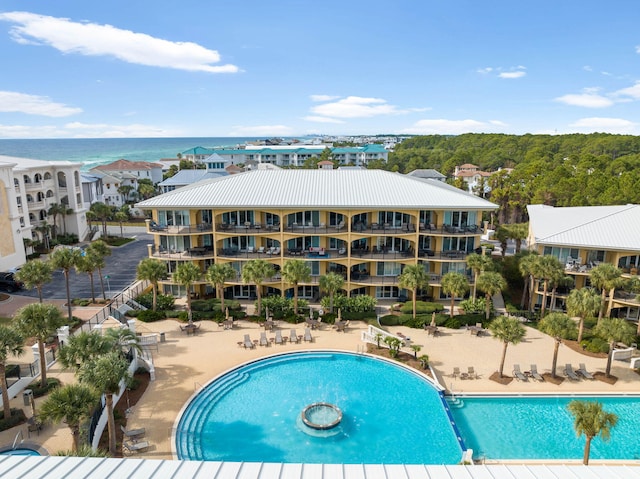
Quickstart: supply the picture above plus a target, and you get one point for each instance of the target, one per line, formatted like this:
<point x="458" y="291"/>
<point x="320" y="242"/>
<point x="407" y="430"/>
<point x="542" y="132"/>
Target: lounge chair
<point x="456" y="372"/>
<point x="535" y="374"/>
<point x="583" y="371"/>
<point x="293" y="337"/>
<point x="307" y="335"/>
<point x="472" y="373"/>
<point x="133" y="433"/>
<point x="568" y="371"/>
<point x="247" y="343"/>
<point x="279" y="339"/>
<point x="133" y="447"/>
<point x="261" y="250"/>
<point x="518" y="374"/>
<point x="263" y="339"/>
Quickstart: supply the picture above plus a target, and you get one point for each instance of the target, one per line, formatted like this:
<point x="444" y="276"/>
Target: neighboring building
<point x="111" y="184"/>
<point x="428" y="174"/>
<point x="585" y="236"/>
<point x="92" y="189"/>
<point x="12" y="250"/>
<point x="366" y="225"/>
<point x="188" y="177"/>
<point x="473" y="177"/>
<point x="136" y="169"/>
<point x="36" y="186"/>
<point x="290" y="155"/>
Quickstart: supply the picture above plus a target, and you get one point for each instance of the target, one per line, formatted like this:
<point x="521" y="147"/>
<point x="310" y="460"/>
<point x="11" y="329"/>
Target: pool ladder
<point x="15" y="441"/>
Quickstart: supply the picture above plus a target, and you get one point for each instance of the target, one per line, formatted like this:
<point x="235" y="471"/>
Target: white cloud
<point x="449" y="127"/>
<point x="92" y="39"/>
<point x="511" y="75"/>
<point x="485" y="70"/>
<point x="605" y="125"/>
<point x="356" y="107"/>
<point x="319" y="98"/>
<point x="632" y="91"/>
<point x="322" y="119"/>
<point x="12" y="102"/>
<point x="262" y="130"/>
<point x="87" y="130"/>
<point x="587" y="100"/>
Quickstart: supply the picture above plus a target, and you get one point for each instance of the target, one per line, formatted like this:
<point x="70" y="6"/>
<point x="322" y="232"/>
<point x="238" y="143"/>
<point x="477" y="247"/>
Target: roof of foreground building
<point x="342" y="188"/>
<point x="600" y="227"/>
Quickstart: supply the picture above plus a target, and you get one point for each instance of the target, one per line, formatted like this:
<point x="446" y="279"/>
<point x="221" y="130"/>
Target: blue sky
<point x="293" y="67"/>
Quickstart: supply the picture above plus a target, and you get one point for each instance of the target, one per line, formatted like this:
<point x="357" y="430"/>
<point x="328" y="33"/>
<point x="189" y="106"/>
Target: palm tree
<point x="525" y="266"/>
<point x="257" y="271"/>
<point x="614" y="330"/>
<point x="551" y="270"/>
<point x="105" y="374"/>
<point x="71" y="404"/>
<point x="11" y="344"/>
<point x="39" y="320"/>
<point x="88" y="264"/>
<point x="456" y="285"/>
<point x="519" y="232"/>
<point x="102" y="212"/>
<point x="34" y="274"/>
<point x="413" y="278"/>
<point x="591" y="420"/>
<point x="559" y="326"/>
<point x="125" y="191"/>
<point x="605" y="277"/>
<point x="478" y="263"/>
<point x="66" y="258"/>
<point x="583" y="302"/>
<point x="121" y="217"/>
<point x="186" y="274"/>
<point x="218" y="275"/>
<point x="100" y="250"/>
<point x="502" y="234"/>
<point x="44" y="229"/>
<point x="84" y="347"/>
<point x="331" y="283"/>
<point x="294" y="272"/>
<point x="65" y="211"/>
<point x="491" y="283"/>
<point x="54" y="210"/>
<point x="152" y="270"/>
<point x="509" y="331"/>
<point x="536" y="269"/>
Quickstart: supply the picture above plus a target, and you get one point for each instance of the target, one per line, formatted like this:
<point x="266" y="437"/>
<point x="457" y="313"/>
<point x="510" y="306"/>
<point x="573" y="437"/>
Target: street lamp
<point x="107" y="277"/>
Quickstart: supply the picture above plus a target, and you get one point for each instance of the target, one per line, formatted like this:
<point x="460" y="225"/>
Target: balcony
<point x="182" y="229"/>
<point x="463" y="230"/>
<point x="311" y="228"/>
<point x="443" y="255"/>
<point x="190" y="254"/>
<point x="246" y="228"/>
<point x="384" y="228"/>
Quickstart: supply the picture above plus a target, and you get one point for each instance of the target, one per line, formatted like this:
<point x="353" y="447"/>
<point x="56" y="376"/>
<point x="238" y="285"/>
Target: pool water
<point x="20" y="452"/>
<point x="542" y="428"/>
<point x="390" y="414"/>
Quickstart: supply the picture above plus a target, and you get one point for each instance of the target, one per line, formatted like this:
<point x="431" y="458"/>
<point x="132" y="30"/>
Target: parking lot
<point x="120" y="269"/>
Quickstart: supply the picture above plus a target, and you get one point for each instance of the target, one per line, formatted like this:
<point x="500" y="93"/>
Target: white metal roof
<point x="597" y="227"/>
<point x="27" y="163"/>
<point x="319" y="189"/>
<point x="35" y="467"/>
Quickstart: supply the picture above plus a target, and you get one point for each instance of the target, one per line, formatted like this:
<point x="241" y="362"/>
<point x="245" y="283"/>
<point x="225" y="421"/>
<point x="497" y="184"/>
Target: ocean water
<point x="97" y="151"/>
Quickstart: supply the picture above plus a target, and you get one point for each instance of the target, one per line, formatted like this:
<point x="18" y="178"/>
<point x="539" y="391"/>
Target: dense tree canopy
<point x="558" y="170"/>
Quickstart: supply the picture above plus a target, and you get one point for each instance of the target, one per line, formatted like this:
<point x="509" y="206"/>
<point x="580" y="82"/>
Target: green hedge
<point x="422" y="307"/>
<point x="149" y="316"/>
<point x="17" y="417"/>
<point x="164" y="301"/>
<point x="595" y="345"/>
<point x="52" y="383"/>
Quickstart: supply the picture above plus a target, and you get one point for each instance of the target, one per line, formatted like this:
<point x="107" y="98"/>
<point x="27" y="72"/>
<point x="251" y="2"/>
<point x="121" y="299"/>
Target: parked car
<point x="9" y="283"/>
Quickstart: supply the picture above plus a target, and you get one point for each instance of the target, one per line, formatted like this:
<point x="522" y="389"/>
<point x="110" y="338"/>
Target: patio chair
<point x="247" y="343"/>
<point x="307" y="335"/>
<point x="250" y="249"/>
<point x="518" y="374"/>
<point x="535" y="374"/>
<point x="263" y="339"/>
<point x="456" y="372"/>
<point x="293" y="337"/>
<point x="134" y="447"/>
<point x="569" y="372"/>
<point x="583" y="371"/>
<point x="261" y="250"/>
<point x="279" y="339"/>
<point x="133" y="433"/>
<point x="472" y="373"/>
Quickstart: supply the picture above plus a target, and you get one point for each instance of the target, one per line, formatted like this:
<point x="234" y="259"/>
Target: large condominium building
<point x="583" y="237"/>
<point x="365" y="225"/>
<point x="30" y="188"/>
<point x="290" y="155"/>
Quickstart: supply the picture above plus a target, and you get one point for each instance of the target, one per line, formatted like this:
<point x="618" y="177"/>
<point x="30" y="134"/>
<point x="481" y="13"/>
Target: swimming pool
<point x="390" y="414"/>
<point x="542" y="428"/>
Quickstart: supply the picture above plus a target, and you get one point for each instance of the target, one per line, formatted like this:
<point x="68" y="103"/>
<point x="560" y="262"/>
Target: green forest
<point x="558" y="170"/>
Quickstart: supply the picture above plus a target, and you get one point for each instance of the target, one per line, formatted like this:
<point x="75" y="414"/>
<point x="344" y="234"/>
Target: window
<point x="387" y="292"/>
<point x="457" y="244"/>
<point x="459" y="219"/>
<point x="388" y="269"/>
<point x="561" y="253"/>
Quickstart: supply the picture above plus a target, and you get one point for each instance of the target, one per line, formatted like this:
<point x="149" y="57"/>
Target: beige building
<point x="366" y="225"/>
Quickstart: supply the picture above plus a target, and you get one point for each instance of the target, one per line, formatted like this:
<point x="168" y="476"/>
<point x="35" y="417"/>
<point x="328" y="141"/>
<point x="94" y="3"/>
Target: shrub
<point x="149" y="316"/>
<point x="477" y="305"/>
<point x="595" y="345"/>
<point x="52" y="383"/>
<point x="80" y="302"/>
<point x="165" y="301"/>
<point x="389" y="320"/>
<point x="422" y="307"/>
<point x="17" y="417"/>
<point x="360" y="303"/>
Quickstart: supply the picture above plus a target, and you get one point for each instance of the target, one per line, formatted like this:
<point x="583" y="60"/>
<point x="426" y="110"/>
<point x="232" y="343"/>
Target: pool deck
<point x="184" y="363"/>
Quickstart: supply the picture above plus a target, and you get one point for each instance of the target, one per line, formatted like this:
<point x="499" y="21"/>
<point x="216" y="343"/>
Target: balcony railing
<point x="450" y="230"/>
<point x="181" y="229"/>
